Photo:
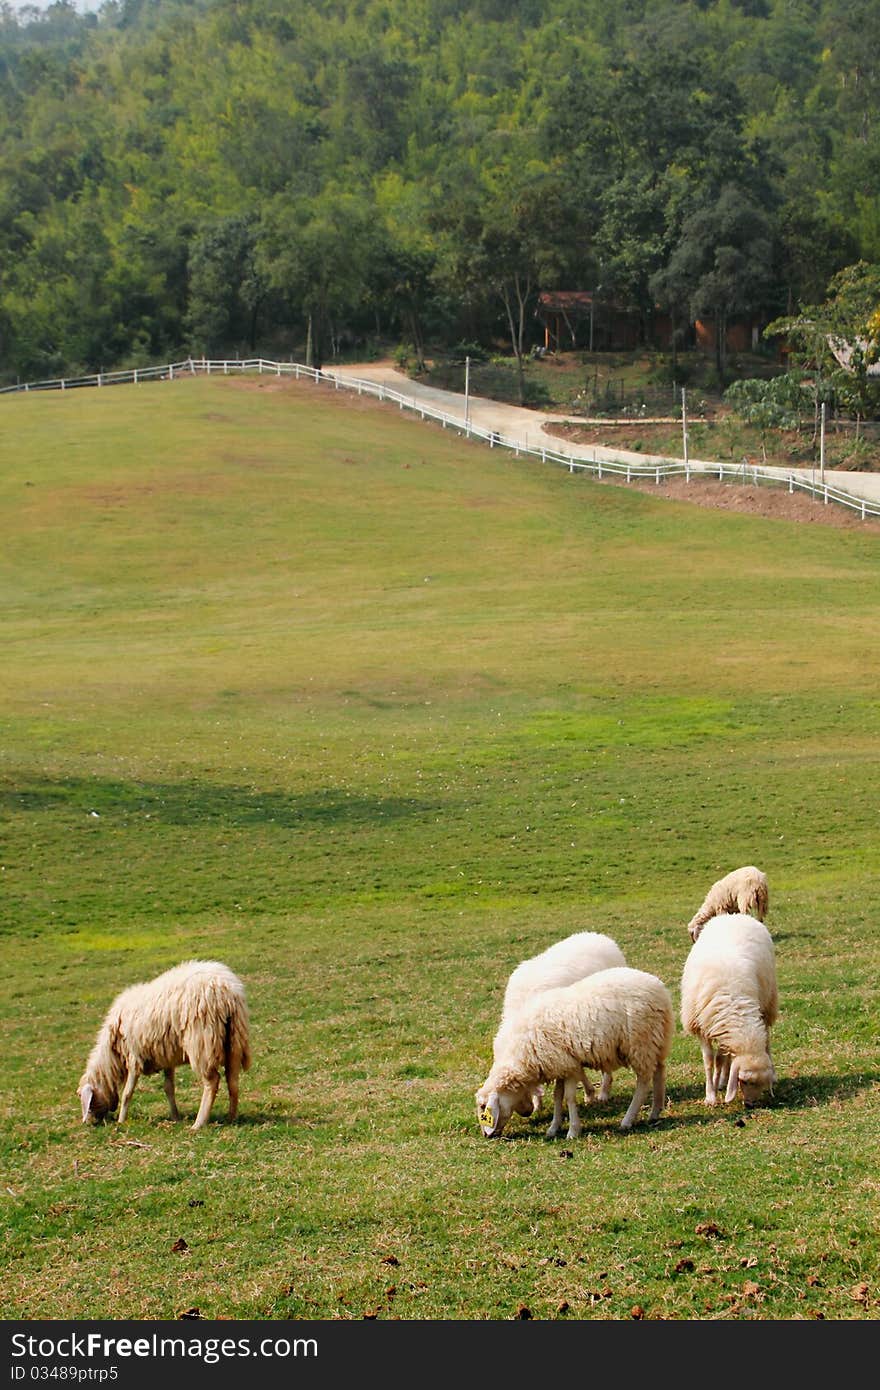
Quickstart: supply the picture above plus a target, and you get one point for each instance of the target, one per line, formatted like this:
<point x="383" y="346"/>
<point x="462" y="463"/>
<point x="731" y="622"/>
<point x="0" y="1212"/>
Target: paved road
<point x="528" y="426"/>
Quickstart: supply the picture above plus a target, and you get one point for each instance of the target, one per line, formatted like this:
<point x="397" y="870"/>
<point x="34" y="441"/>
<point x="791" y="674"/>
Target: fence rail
<point x="598" y="459"/>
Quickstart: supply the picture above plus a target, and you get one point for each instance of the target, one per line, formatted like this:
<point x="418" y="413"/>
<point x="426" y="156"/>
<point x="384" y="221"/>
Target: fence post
<point x="62" y="383"/>
<point x="100" y="382"/>
<point x="684" y="432"/>
<point x="628" y="473"/>
<point x="171" y="372"/>
<point x="791" y="482"/>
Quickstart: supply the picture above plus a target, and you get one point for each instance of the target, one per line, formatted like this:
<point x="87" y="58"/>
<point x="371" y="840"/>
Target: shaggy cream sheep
<point x="742" y="890"/>
<point x="565" y="961"/>
<point x="613" y="1018"/>
<point x="195" y="1013"/>
<point x="729" y="1001"/>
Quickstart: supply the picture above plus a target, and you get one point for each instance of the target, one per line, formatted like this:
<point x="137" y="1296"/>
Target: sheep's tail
<point x="236" y="1045"/>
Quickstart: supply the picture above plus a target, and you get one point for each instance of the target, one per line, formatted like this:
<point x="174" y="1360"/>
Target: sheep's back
<point x="182" y="1014"/>
<point x="614" y="1017"/>
<point x="561" y="964"/>
<point x="731" y="964"/>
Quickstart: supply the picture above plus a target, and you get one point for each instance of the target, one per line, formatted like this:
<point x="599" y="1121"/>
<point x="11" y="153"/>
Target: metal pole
<point x="822" y="445"/>
<point x="467" y="389"/>
<point x="684" y="430"/>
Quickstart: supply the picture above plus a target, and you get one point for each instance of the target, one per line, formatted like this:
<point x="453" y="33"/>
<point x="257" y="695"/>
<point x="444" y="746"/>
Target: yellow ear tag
<point x="487" y="1118"/>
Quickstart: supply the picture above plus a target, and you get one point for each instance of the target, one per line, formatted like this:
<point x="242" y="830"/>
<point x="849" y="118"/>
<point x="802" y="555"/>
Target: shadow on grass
<point x="191" y="803"/>
<point x="796" y="1093"/>
<point x="808" y="1092"/>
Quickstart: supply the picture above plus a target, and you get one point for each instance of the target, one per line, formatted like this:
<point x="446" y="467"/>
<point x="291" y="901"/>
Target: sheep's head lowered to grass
<point x="494" y="1108"/>
<point x="754" y="1075"/>
<point x="97" y="1104"/>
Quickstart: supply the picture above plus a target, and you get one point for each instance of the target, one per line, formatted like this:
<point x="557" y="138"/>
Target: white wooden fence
<point x="604" y="462"/>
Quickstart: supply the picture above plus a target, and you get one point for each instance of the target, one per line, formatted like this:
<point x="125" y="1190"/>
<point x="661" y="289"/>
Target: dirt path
<point x="530" y="427"/>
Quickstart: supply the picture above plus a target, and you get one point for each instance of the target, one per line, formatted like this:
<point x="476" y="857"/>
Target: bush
<point x="404" y="355"/>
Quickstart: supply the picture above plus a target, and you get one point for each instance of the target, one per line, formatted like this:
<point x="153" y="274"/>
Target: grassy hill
<point x="370" y="713"/>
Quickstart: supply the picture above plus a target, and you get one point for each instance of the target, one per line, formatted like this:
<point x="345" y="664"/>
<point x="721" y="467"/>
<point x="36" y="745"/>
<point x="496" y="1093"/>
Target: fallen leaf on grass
<point x="523" y="1312"/>
<point x="750" y="1289"/>
<point x="637" y="1311"/>
<point x="684" y="1266"/>
<point x="860" y="1293"/>
<point x="708" y="1228"/>
<point x="179" y="1246"/>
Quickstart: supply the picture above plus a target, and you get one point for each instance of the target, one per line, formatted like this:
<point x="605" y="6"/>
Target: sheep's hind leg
<point x="659" y="1092"/>
<point x="210" y="1086"/>
<point x="640" y="1095"/>
<point x="169" y="1092"/>
<point x="605" y="1088"/>
<point x="232" y="1075"/>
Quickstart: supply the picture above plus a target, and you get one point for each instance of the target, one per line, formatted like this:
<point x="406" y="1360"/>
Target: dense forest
<point x="303" y="176"/>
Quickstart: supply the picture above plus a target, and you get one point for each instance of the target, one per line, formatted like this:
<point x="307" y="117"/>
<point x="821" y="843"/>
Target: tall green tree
<point x="722" y="263"/>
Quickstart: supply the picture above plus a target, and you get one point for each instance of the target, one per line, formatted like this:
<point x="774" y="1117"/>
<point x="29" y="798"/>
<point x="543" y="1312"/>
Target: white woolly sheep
<point x="195" y="1013"/>
<point x="729" y="1001"/>
<point x="613" y="1018"/>
<point x="742" y="890"/>
<point x="565" y="961"/>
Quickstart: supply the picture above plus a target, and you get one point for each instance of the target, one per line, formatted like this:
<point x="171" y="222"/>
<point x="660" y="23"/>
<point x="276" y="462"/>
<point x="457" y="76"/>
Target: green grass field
<point x="370" y="713"/>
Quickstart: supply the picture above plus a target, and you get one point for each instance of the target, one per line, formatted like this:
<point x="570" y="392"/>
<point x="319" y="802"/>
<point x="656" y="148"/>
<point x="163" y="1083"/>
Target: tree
<point x="837" y="339"/>
<point x="226" y="288"/>
<point x="502" y="241"/>
<point x="722" y="263"/>
<point x="323" y="254"/>
<point x="778" y="403"/>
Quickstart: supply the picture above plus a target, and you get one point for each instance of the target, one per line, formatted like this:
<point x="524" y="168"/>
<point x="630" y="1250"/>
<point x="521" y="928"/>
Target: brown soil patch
<point x="765" y="500"/>
<point x="757" y="501"/>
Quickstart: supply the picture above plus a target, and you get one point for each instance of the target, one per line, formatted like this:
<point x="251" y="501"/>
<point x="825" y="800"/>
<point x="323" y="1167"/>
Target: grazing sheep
<point x="613" y="1018"/>
<point x="742" y="890"/>
<point x="195" y="1013"/>
<point x="729" y="1001"/>
<point x="565" y="961"/>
